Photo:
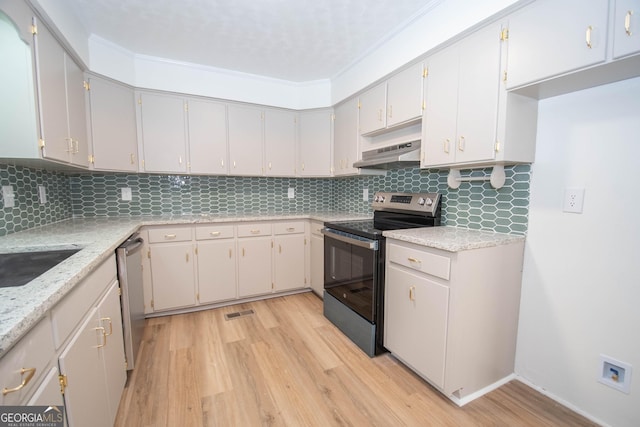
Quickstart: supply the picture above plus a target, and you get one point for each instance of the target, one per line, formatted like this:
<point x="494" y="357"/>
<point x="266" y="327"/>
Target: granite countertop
<point x="452" y="239"/>
<point x="23" y="306"/>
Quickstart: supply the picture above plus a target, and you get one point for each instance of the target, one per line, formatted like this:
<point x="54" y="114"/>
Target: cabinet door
<point x="345" y="138"/>
<point x="289" y="272"/>
<point x="163" y="133"/>
<point x="52" y="95"/>
<point x="208" y="153"/>
<point x="216" y="270"/>
<point x="113" y="126"/>
<point x="82" y="362"/>
<point x="77" y="109"/>
<point x="478" y="92"/>
<point x="440" y="117"/>
<point x="254" y="266"/>
<point x="626" y="28"/>
<point x="172" y="275"/>
<point x="48" y="393"/>
<point x="245" y="140"/>
<point x="280" y="143"/>
<point x="373" y="109"/>
<point x="317" y="264"/>
<point x="404" y="96"/>
<point x="415" y="328"/>
<point x="314" y="144"/>
<point x="574" y="36"/>
<point x="115" y="371"/>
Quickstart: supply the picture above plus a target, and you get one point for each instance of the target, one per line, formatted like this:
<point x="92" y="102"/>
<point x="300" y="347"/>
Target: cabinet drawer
<point x="68" y="312"/>
<point x="293" y="227"/>
<point x="254" y="229"/>
<point x="210" y="232"/>
<point x="316" y="227"/>
<point x="423" y="261"/>
<point x="33" y="351"/>
<point x="169" y="234"/>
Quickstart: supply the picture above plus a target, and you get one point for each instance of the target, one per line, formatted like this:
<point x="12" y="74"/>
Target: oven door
<point x="351" y="270"/>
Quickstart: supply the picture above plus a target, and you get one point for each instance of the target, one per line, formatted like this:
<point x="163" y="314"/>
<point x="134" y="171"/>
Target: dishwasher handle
<point x="132" y="244"/>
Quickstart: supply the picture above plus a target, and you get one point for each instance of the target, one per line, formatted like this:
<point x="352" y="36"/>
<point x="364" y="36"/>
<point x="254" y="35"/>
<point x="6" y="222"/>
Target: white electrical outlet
<point x="573" y="200"/>
<point x="42" y="194"/>
<point x="8" y="197"/>
<point x="365" y="194"/>
<point x="291" y="193"/>
<point x="126" y="194"/>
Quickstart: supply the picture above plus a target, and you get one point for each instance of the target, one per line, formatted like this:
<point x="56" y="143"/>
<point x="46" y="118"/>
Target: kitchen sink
<point x="19" y="268"/>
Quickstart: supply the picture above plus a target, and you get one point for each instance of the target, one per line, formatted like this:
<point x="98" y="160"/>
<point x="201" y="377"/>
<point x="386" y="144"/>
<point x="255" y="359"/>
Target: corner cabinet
<point x="61" y="92"/>
<point x="114" y="145"/>
<point x="315" y="143"/>
<point x="345" y="138"/>
<point x="452" y="317"/>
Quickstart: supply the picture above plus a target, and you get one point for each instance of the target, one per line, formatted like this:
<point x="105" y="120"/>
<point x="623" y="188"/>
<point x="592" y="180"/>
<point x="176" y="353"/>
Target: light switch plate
<point x="126" y="194"/>
<point x="291" y="193"/>
<point x="365" y="194"/>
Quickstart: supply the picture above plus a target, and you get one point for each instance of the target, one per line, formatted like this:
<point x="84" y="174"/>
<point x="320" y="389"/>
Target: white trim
<point x="561" y="401"/>
<point x="473" y="396"/>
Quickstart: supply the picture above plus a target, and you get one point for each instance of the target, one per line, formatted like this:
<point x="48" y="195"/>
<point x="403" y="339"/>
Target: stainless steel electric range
<point x="354" y="263"/>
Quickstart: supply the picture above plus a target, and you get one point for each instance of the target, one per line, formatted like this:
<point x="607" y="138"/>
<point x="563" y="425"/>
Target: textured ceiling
<point x="294" y="40"/>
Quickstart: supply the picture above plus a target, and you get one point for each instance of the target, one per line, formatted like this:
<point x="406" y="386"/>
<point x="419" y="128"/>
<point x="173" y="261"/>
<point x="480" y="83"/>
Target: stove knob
<point x="381" y="199"/>
<point x="376" y="199"/>
<point x="429" y="201"/>
<point x="421" y="201"/>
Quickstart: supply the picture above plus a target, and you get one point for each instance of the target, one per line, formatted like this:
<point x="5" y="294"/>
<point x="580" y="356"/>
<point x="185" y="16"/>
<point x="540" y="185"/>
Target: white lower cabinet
<point x="216" y="252"/>
<point x="417" y="307"/>
<point x="172" y="268"/>
<point x="452" y="317"/>
<point x="289" y="246"/>
<point x="94" y="365"/>
<point x="189" y="266"/>
<point x="254" y="259"/>
<point x="317" y="258"/>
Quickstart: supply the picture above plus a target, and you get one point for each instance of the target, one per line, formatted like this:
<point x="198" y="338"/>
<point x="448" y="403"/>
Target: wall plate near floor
<point x="615" y="374"/>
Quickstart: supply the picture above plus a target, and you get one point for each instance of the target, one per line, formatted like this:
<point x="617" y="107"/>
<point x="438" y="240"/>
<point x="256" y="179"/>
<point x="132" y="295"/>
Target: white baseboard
<point x="464" y="400"/>
<point x="561" y="401"/>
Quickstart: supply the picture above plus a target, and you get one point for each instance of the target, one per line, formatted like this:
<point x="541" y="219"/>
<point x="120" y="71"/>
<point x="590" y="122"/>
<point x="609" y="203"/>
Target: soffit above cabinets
<point x="292" y="40"/>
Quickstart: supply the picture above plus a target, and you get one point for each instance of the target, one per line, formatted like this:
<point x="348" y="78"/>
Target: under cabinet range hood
<point x="396" y="156"/>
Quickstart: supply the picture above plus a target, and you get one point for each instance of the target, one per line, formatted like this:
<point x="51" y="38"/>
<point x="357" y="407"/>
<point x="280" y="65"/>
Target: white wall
<point x="581" y="280"/>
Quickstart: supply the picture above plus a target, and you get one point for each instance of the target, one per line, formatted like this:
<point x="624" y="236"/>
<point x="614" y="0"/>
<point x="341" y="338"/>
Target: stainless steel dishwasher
<point x="129" y="259"/>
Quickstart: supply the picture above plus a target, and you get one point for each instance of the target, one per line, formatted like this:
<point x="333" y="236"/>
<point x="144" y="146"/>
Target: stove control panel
<point x="414" y="202"/>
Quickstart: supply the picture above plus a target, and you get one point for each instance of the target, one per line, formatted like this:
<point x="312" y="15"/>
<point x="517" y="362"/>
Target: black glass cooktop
<point x="363" y="228"/>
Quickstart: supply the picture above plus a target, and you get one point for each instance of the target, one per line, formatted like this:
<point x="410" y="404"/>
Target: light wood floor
<point x="286" y="365"/>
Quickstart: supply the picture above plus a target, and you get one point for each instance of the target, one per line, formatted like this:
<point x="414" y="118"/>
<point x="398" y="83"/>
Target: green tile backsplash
<point x="474" y="205"/>
<point x="28" y="212"/>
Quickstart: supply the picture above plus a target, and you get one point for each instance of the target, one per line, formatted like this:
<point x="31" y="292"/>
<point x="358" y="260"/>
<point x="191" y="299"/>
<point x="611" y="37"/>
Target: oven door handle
<point x="367" y="244"/>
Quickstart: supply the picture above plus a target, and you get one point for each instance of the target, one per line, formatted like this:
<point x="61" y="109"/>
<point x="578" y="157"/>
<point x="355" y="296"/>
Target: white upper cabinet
<point x="373" y="109"/>
<point x="61" y="90"/>
<point x="280" y="143"/>
<point x="549" y="38"/>
<point x="163" y="133"/>
<point x="462" y="101"/>
<point x="626" y="28"/>
<point x="345" y="138"/>
<point x="18" y="126"/>
<point x="113" y="126"/>
<point x="405" y="96"/>
<point x="208" y="149"/>
<point x="315" y="143"/>
<point x="392" y="103"/>
<point x="245" y="140"/>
